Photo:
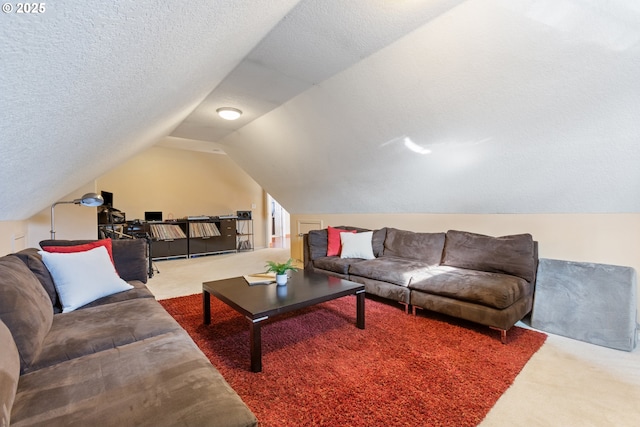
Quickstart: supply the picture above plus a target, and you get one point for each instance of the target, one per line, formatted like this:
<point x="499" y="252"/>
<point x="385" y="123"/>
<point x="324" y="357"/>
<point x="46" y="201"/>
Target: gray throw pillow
<point x="25" y="308"/>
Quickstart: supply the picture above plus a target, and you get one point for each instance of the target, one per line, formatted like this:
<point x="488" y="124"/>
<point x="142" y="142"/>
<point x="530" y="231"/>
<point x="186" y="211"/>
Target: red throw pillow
<point x="82" y="248"/>
<point x="334" y="245"/>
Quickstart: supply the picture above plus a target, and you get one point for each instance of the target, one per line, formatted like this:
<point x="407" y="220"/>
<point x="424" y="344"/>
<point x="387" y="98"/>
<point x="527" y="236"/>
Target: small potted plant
<point x="281" y="270"/>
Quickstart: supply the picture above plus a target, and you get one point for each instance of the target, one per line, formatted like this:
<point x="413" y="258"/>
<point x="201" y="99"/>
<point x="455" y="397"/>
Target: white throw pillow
<point x="357" y="245"/>
<point x="83" y="277"/>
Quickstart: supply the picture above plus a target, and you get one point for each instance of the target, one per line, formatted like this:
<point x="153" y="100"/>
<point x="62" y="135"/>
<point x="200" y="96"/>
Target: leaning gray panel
<point x="596" y="303"/>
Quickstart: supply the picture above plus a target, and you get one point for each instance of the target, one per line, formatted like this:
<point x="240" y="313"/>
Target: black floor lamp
<point x="89" y="199"/>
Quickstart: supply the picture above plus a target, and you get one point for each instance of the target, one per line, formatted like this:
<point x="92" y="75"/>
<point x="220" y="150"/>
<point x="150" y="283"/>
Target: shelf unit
<point x="244" y="233"/>
<point x="212" y="236"/>
<point x="169" y="239"/>
<point x="187" y="238"/>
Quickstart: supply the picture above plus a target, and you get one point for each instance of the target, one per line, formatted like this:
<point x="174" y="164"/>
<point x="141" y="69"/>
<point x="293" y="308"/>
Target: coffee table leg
<point x="206" y="307"/>
<point x="255" y="342"/>
<point x="360" y="310"/>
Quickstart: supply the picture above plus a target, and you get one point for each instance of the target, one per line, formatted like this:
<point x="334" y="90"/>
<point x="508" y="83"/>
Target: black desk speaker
<point x="244" y="214"/>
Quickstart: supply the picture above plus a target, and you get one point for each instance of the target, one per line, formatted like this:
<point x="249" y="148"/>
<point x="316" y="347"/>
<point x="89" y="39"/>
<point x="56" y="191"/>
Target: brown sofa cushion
<point x="25" y="308"/>
<point x="129" y="256"/>
<point x="480" y="287"/>
<point x="9" y="373"/>
<point x="513" y="255"/>
<point x="139" y="290"/>
<point x="399" y="271"/>
<point x="335" y="264"/>
<point x="318" y="242"/>
<point x="163" y="380"/>
<point x="426" y="247"/>
<point x="95" y="329"/>
<point x="33" y="260"/>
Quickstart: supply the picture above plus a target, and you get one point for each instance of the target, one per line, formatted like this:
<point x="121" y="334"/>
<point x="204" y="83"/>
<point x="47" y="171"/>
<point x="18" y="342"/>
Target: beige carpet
<point x="566" y="383"/>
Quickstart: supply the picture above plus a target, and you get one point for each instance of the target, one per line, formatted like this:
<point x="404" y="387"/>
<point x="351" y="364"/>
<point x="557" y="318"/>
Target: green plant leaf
<point x="280" y="268"/>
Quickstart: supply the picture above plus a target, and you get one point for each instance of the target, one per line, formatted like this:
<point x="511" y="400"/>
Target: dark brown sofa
<point x="121" y="360"/>
<point x="484" y="279"/>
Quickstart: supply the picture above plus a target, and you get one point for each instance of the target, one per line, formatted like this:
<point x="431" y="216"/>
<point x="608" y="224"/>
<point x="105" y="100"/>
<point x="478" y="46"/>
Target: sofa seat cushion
<point x="161" y="381"/>
<point x="515" y="255"/>
<point x="480" y="287"/>
<point x="139" y="290"/>
<point x="95" y="329"/>
<point x="335" y="264"/>
<point x="398" y="271"/>
<point x="25" y="308"/>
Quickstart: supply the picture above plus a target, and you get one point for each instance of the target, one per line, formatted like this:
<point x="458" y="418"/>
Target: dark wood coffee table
<point x="261" y="302"/>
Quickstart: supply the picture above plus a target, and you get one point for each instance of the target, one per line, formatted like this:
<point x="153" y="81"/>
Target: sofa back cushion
<point x="129" y="256"/>
<point x="131" y="259"/>
<point x="25" y="308"/>
<point x="9" y="373"/>
<point x="33" y="261"/>
<point x="426" y="247"/>
<point x="514" y="255"/>
<point x="318" y="241"/>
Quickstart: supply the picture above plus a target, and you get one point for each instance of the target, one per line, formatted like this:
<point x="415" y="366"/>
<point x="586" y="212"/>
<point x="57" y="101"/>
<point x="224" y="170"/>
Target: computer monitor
<point x="108" y="198"/>
<point x="153" y="216"/>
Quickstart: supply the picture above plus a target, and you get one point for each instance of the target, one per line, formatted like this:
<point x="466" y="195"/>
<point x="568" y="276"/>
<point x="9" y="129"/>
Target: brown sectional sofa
<point x="121" y="360"/>
<point x="484" y="279"/>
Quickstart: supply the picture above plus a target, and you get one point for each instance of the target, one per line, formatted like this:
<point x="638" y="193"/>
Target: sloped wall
<point x="184" y="183"/>
<point x="486" y="110"/>
<point x="598" y="238"/>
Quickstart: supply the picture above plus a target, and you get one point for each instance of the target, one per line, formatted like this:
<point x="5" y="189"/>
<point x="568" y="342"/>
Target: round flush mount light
<point x="229" y="113"/>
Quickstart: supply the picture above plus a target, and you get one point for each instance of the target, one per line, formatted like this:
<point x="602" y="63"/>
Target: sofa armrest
<point x="306" y="259"/>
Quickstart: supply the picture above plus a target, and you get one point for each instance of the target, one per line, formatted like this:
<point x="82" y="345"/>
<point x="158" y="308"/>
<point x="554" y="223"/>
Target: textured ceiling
<point x="84" y="86"/>
<point x="514" y="106"/>
<point x="316" y="40"/>
<point x="491" y="107"/>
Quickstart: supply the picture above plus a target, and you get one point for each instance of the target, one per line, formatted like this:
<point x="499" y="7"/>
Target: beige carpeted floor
<point x="566" y="383"/>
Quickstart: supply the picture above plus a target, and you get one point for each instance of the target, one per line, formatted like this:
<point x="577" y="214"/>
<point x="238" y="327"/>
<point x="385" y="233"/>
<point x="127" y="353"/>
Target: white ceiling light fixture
<point x="229" y="113"/>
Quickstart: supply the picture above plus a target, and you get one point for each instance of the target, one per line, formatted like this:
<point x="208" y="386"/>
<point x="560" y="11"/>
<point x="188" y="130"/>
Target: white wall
<point x="601" y="238"/>
<point x="182" y="183"/>
<point x="71" y="221"/>
<point x="177" y="182"/>
<point x="13" y="236"/>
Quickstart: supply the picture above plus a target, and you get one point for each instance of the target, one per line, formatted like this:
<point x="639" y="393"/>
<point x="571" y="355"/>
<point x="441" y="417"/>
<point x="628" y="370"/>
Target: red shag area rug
<point x="320" y="370"/>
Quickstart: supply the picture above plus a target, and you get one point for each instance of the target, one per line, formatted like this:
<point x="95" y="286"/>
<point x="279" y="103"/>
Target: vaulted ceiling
<point x="365" y="106"/>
